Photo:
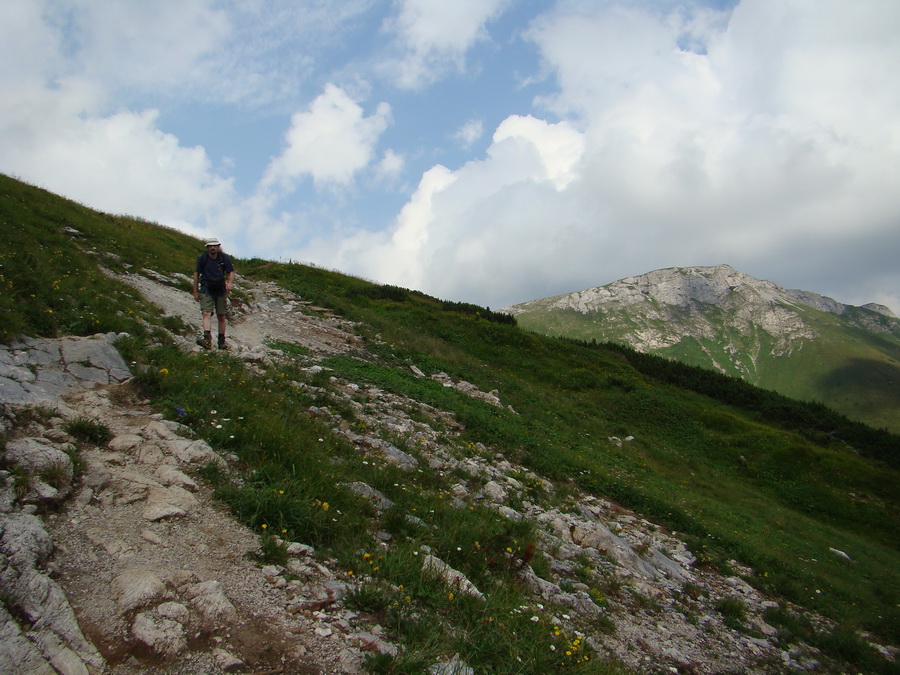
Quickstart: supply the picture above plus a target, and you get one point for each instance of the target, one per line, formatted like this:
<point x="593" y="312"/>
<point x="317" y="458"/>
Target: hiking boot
<point x="222" y="344"/>
<point x="205" y="342"/>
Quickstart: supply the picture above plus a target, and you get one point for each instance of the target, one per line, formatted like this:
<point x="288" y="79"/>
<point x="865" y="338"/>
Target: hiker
<point x="213" y="278"/>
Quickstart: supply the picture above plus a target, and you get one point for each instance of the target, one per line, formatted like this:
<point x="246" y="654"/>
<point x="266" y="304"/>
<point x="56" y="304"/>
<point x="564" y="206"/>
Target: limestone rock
<point x="169" y="475"/>
<point x="164" y="636"/>
<point x="136" y="588"/>
<point x="209" y="599"/>
<point x="450" y="576"/>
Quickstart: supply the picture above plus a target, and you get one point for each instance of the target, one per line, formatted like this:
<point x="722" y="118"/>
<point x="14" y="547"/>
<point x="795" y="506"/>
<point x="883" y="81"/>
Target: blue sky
<point x="487" y="151"/>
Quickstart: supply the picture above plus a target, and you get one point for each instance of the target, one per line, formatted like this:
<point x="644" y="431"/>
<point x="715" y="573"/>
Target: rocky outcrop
<point x="37" y="371"/>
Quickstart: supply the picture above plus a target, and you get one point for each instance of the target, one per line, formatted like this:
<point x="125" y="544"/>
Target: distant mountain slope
<point x="798" y="343"/>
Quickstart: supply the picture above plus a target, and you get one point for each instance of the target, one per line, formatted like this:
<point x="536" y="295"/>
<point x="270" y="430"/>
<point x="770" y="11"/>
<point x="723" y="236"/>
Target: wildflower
<point x="163" y="371"/>
<point x="264" y="526"/>
<point x="450" y="597"/>
<point x="535" y="618"/>
<point x="325" y="506"/>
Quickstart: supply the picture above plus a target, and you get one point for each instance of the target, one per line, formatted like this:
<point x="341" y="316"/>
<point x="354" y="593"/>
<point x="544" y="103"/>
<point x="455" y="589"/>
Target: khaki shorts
<point x="209" y="305"/>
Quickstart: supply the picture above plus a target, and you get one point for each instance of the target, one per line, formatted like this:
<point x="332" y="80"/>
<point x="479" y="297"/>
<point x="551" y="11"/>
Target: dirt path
<point x="273" y="314"/>
<point x="162" y="579"/>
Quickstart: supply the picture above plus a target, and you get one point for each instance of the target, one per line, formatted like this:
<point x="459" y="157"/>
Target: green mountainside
<point x="800" y="344"/>
<point x="757" y="484"/>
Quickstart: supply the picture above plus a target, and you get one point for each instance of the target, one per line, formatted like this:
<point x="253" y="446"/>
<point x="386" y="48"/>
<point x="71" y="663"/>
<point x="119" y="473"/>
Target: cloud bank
<point x="766" y="138"/>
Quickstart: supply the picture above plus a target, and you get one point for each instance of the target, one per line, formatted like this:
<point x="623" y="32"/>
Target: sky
<point x="483" y="151"/>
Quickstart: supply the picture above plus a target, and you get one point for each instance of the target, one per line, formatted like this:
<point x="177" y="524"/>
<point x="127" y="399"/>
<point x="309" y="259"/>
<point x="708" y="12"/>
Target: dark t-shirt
<point x="213" y="270"/>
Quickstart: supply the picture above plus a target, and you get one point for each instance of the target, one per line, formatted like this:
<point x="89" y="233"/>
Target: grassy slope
<point x="854" y="371"/>
<point x="774" y="494"/>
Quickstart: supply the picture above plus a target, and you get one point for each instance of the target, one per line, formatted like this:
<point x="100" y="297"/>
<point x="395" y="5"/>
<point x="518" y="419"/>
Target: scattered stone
<point x="227" y="661"/>
<point x="209" y="599"/>
<point x="136" y="588"/>
<point x="165" y="637"/>
<point x="169" y="475"/>
<point x="453" y="578"/>
<point x="376" y="497"/>
<point x="125" y="443"/>
<point x="454" y="666"/>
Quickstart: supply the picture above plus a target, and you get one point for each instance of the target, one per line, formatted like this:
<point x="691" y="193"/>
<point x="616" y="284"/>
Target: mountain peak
<point x="685" y="287"/>
<point x="800" y="343"/>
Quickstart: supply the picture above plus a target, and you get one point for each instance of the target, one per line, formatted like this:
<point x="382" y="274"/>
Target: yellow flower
<point x="163" y="371"/>
<point x="325" y="506"/>
<point x="450" y="596"/>
<point x="264" y="526"/>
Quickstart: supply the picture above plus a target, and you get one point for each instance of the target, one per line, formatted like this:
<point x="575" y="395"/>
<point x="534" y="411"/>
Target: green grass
<point x="87" y="430"/>
<point x="741" y="473"/>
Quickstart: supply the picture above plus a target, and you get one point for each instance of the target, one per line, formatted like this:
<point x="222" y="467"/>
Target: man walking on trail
<point x="213" y="278"/>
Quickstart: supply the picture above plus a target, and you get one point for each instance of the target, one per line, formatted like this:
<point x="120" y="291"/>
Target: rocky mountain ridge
<point x="721" y="318"/>
<point x="677" y="296"/>
<point x="147" y="574"/>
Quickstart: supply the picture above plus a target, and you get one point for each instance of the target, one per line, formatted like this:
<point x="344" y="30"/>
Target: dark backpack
<point x="214" y="285"/>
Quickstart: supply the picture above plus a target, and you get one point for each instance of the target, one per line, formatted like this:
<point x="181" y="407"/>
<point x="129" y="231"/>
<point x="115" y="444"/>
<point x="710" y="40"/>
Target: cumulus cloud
<point x="331" y="141"/>
<point x="55" y="128"/>
<point x="434" y="36"/>
<point x="139" y="45"/>
<point x="693" y="139"/>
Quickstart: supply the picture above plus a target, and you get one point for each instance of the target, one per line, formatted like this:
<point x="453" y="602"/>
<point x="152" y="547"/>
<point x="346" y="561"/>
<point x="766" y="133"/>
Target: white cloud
<point x="55" y="130"/>
<point x="390" y="166"/>
<point x="746" y="148"/>
<point x="469" y="133"/>
<point x="124" y="164"/>
<point x="331" y="142"/>
<point x="141" y="45"/>
<point x="559" y="146"/>
<point x="434" y="36"/>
